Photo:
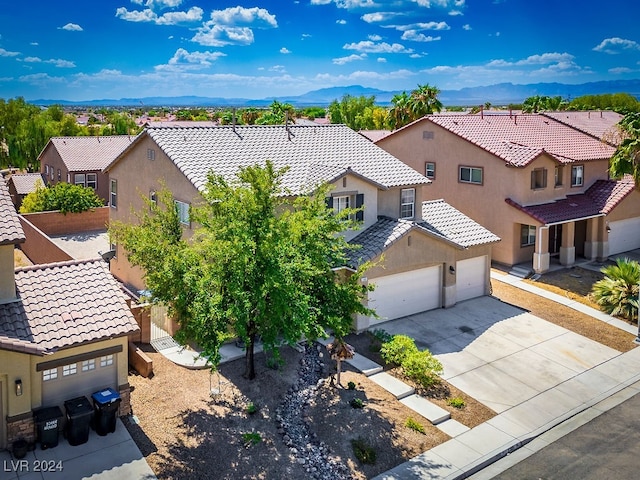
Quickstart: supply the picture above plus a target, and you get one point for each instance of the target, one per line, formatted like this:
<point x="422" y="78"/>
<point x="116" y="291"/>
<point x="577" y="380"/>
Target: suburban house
<point x="63" y="332"/>
<point x="420" y="242"/>
<point x="538" y="183"/>
<point x="81" y="160"/>
<point x="22" y="184"/>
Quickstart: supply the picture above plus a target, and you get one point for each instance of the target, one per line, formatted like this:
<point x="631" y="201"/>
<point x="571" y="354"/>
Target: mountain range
<point x="498" y="94"/>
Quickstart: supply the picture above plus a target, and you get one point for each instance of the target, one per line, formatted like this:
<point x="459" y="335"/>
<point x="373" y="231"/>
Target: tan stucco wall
<point x="484" y="203"/>
<point x="13" y="366"/>
<point x="628" y="208"/>
<point x="7" y="279"/>
<point x="353" y="185"/>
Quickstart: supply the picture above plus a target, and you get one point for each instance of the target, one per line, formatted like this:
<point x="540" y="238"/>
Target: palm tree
<point x="424" y="100"/>
<point x="626" y="159"/>
<point x="617" y="292"/>
<point x="400" y="113"/>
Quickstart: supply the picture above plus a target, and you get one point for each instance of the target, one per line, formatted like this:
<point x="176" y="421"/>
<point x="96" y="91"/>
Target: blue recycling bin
<point x="106" y="404"/>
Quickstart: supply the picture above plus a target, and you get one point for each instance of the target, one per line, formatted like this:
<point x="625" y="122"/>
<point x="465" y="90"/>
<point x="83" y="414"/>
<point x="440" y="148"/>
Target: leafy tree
<point x="617" y="292"/>
<point x="250" y="115"/>
<point x="620" y="102"/>
<point x="626" y="159"/>
<point x="424" y="100"/>
<point x="355" y="112"/>
<point x="65" y="197"/>
<point x="259" y="264"/>
<point x="400" y="112"/>
<point x="278" y="114"/>
<point x="540" y="103"/>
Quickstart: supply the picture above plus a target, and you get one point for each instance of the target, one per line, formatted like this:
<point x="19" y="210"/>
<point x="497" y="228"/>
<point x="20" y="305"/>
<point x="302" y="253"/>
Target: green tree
<point x="626" y="159"/>
<point x="257" y="265"/>
<point x="400" y="112"/>
<point x="65" y="197"/>
<point x="278" y="114"/>
<point x="423" y="101"/>
<point x="355" y="112"/>
<point x="617" y="292"/>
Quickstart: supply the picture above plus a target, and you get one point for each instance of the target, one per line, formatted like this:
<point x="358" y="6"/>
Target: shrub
<point x="351" y="386"/>
<point x="356" y="403"/>
<point x="65" y="197"/>
<point x="422" y="367"/>
<point x="415" y="426"/>
<point x="364" y="452"/>
<point x="617" y="293"/>
<point x="456" y="402"/>
<point x="395" y="350"/>
<point x="251" y="438"/>
<point x="382" y="335"/>
<point x="251" y="408"/>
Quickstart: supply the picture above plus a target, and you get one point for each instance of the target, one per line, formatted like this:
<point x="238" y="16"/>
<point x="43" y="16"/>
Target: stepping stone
<point x="452" y="427"/>
<point x="427" y="409"/>
<point x="364" y="365"/>
<point x="392" y="385"/>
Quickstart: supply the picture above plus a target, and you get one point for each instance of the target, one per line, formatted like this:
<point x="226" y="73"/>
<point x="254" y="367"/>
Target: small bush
<point x="415" y="426"/>
<point x="351" y="386"/>
<point x="382" y="335"/>
<point x="251" y="438"/>
<point x="251" y="408"/>
<point x="397" y="349"/>
<point x="456" y="402"/>
<point x="422" y="367"/>
<point x="364" y="452"/>
<point x="356" y="403"/>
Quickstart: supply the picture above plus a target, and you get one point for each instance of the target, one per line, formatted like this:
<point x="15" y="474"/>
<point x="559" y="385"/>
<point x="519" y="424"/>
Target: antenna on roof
<point x="233" y="120"/>
<point x="286" y="126"/>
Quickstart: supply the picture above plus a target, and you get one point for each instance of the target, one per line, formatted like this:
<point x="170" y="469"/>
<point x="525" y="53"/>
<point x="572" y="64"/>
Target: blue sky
<point x="85" y="50"/>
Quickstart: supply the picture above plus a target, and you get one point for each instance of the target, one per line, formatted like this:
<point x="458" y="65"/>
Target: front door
<point x="555" y="239"/>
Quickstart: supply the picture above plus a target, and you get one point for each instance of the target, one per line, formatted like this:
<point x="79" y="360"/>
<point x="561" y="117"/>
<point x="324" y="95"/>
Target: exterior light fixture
<point x="18" y="387"/>
<point x="452" y="270"/>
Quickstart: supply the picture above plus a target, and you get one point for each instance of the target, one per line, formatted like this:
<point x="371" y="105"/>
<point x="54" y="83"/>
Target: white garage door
<point x="403" y="294"/>
<point x="471" y="278"/>
<point x="624" y="235"/>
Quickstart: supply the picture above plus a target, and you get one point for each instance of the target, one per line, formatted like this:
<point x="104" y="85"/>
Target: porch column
<point x="541" y="255"/>
<point x="568" y="248"/>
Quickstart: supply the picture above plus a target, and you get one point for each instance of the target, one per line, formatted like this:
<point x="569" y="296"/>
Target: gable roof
<point x="83" y="154"/>
<point x="598" y="200"/>
<point x="63" y="305"/>
<point x="520" y="139"/>
<point x="596" y="124"/>
<point x="25" y="183"/>
<point x="313" y="153"/>
<point x="10" y="228"/>
<point x="440" y="220"/>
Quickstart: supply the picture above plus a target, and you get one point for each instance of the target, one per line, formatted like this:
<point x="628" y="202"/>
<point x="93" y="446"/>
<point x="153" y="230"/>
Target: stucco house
<point x="361" y="174"/>
<point x="22" y="184"/>
<point x="81" y="160"/>
<point x="538" y="183"/>
<point x="63" y="333"/>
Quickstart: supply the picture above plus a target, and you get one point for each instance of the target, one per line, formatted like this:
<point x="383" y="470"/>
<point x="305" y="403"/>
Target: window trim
<point x="50" y="374"/>
<point x="558" y="173"/>
<point x="534" y="178"/>
<point x="337" y="200"/>
<point x="574" y="168"/>
<point x="528" y="243"/>
<point x="113" y="193"/>
<point x="471" y="170"/>
<point x="183" y="221"/>
<point x="94" y="181"/>
<point x="404" y="203"/>
<point x="426" y="170"/>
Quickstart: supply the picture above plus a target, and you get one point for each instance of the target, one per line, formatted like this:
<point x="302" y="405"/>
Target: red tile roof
<point x="599" y="199"/>
<point x="62" y="305"/>
<point x="519" y="139"/>
<point x="597" y="124"/>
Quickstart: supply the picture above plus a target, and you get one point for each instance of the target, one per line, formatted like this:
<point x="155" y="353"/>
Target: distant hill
<point x="499" y="94"/>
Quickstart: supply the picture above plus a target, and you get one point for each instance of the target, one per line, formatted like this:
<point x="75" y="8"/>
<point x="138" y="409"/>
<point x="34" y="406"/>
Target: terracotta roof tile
<point x="519" y="139"/>
<point x="313" y="153"/>
<point x="599" y="199"/>
<point x="596" y="124"/>
<point x="89" y="306"/>
<point x="25" y="183"/>
<point x="10" y="228"/>
<point x="89" y="153"/>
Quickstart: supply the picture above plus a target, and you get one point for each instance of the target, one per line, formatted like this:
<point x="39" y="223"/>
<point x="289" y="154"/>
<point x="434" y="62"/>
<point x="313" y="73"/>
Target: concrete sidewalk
<point x="534" y="374"/>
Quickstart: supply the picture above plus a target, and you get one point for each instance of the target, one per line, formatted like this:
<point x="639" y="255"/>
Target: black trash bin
<point x="79" y="415"/>
<point x="47" y="422"/>
<point x="106" y="403"/>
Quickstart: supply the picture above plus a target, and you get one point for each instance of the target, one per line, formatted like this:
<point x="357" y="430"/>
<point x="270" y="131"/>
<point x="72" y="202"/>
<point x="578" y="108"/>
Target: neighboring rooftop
<point x="11" y="231"/>
<point x="62" y="305"/>
<point x="312" y="153"/>
<point x="599" y="199"/>
<point x="83" y="154"/>
<point x="596" y="123"/>
<point x="25" y="183"/>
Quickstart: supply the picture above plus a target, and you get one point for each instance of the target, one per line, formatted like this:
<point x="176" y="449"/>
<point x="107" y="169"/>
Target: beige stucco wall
<point x="352" y="185"/>
<point x="13" y="366"/>
<point x="7" y="279"/>
<point x="628" y="208"/>
<point x="484" y="203"/>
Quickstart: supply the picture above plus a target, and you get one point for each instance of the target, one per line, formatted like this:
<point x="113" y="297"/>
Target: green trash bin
<point x="47" y="422"/>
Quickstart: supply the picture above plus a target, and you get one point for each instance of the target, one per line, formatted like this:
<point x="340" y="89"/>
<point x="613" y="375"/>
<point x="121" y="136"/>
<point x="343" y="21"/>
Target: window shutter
<point x="359" y="204"/>
<point x="329" y="201"/>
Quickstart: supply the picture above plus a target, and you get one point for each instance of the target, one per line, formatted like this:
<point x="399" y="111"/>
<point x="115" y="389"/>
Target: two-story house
<point x="63" y="333"/>
<point x="421" y="258"/>
<point x="540" y="184"/>
<point x="81" y="160"/>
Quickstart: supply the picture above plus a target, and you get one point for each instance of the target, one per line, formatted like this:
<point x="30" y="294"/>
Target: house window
<point x="51" y="374"/>
<point x="183" y="212"/>
<point x="113" y="194"/>
<point x="430" y="170"/>
<point x="471" y="175"/>
<point x="527" y="235"/>
<point x="538" y="178"/>
<point x="153" y="197"/>
<point x="70" y="369"/>
<point x="577" y="175"/>
<point x="407" y="202"/>
<point x="59" y="175"/>
<point x="106" y="360"/>
<point x="89" y="365"/>
<point x="558" y="175"/>
<point x="151" y="154"/>
<point x="46" y="171"/>
<point x="79" y="179"/>
<point x="92" y="180"/>
<point x="341" y="203"/>
<point x="51" y="170"/>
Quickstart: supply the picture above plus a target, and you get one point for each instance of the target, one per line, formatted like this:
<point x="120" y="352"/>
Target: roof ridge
<point x="44" y="266"/>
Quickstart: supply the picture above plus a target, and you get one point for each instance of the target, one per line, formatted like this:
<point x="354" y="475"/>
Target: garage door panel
<point x="624" y="235"/>
<point x="471" y="278"/>
<point x="403" y="294"/>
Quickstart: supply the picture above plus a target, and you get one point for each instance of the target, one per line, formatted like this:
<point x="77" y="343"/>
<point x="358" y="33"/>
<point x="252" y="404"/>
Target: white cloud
<point x="543" y="59"/>
<point x="72" y="27"/>
<point x="381" y="60"/>
<point x="374" y="38"/>
<point x="341" y="22"/>
<point x="379" y="17"/>
<point x="32" y="59"/>
<point x="219" y="36"/>
<point x="185" y="60"/>
<point x="349" y="59"/>
<point x="285" y="50"/>
<point x="372" y="47"/>
<point x="59" y="63"/>
<point x="422" y="26"/>
<point x="414" y="36"/>
<point x="194" y="14"/>
<point x="616" y="45"/>
<point x="136" y="15"/>
<point x="240" y="16"/>
<point x="621" y="70"/>
<point x="466" y="27"/>
<point x="7" y="53"/>
<point x="277" y="68"/>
